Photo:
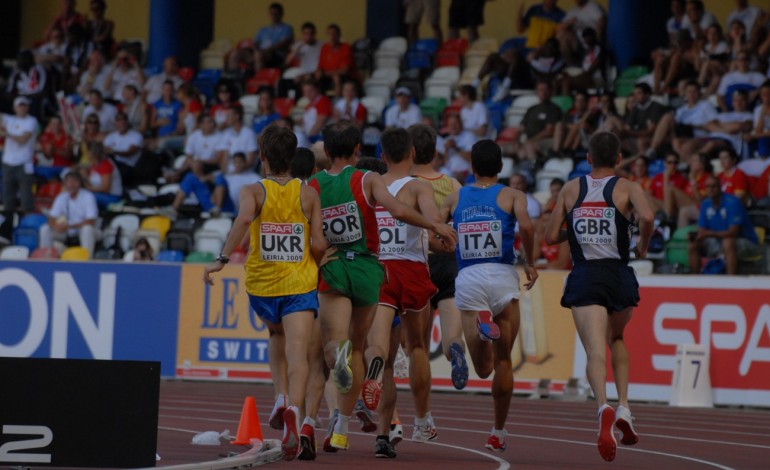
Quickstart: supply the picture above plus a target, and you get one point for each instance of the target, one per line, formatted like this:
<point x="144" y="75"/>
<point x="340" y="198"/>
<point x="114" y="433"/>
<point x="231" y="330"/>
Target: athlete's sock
<point x="424" y="421"/>
<point x="309" y="421"/>
<point x="498" y="433"/>
<point x="282" y="400"/>
<point x="342" y="425"/>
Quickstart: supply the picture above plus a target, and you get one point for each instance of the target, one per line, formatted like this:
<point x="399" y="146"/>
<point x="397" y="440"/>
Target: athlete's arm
<point x="554" y="234"/>
<point x="312" y="204"/>
<point x="403" y="212"/>
<point x="426" y="204"/>
<point x="643" y="214"/>
<point x="446" y="210"/>
<point x="526" y="232"/>
<point x="250" y="203"/>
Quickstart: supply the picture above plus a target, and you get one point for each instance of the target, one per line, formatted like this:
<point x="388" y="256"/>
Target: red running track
<point x="543" y="434"/>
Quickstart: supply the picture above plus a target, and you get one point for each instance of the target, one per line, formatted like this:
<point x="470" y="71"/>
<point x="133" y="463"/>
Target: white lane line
<point x="503" y="465"/>
<point x="665" y="454"/>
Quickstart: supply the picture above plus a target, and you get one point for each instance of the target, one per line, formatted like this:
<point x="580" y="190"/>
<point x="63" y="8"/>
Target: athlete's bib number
<point x="282" y="242"/>
<point x="392" y="234"/>
<point x="480" y="239"/>
<point x="341" y="223"/>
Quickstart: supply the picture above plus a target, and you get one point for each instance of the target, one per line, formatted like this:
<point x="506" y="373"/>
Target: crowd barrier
<point x="164" y="312"/>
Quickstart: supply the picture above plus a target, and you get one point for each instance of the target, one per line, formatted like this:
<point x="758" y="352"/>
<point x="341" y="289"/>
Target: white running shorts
<point x="488" y="286"/>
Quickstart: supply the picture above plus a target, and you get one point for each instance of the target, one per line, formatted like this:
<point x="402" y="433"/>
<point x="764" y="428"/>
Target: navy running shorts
<point x="609" y="283"/>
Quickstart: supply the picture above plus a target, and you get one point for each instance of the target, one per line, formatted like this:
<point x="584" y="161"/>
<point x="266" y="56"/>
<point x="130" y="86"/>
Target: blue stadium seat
<point x="497" y="112"/>
<point x="171" y="256"/>
<point x="581" y="169"/>
<point x="655" y="167"/>
<point x="206" y="81"/>
<point x="28" y="232"/>
<point x="517" y="43"/>
<point x="420" y="60"/>
<point x="426" y="45"/>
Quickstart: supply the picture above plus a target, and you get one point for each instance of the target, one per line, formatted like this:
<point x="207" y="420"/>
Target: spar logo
<point x="474" y="227"/>
<point x="594" y="212"/>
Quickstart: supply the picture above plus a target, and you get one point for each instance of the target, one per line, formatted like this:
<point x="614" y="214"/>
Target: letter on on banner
<point x="691" y="385"/>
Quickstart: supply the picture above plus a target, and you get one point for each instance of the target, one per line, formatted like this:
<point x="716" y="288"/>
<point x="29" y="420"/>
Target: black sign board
<point x="78" y="413"/>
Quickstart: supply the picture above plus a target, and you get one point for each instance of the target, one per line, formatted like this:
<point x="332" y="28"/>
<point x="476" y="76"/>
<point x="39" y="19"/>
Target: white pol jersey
<point x="399" y="240"/>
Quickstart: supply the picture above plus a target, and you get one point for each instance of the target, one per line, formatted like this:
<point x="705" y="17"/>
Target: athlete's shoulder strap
<point x="608" y="189"/>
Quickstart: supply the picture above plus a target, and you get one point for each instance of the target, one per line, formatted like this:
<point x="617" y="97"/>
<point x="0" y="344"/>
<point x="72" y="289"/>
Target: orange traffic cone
<point x="249" y="427"/>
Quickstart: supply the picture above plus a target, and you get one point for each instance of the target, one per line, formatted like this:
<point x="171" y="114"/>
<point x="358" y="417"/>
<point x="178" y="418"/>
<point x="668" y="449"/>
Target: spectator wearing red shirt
<point x="56" y="145"/>
<point x="686" y="202"/>
<point x="733" y="180"/>
<point x="101" y="176"/>
<point x="761" y="188"/>
<point x="639" y="173"/>
<point x="669" y="177"/>
<point x="66" y="18"/>
<point x="317" y="111"/>
<point x="349" y="107"/>
<point x="336" y="60"/>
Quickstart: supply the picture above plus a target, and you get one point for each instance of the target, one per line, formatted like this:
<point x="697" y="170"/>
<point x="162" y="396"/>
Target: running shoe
<point x="401" y="364"/>
<point x="496" y="444"/>
<point x="424" y="433"/>
<point x="365" y="417"/>
<point x="383" y="449"/>
<point x="396" y="433"/>
<point x="276" y="416"/>
<point x="459" y="366"/>
<point x="372" y="387"/>
<point x="607" y="443"/>
<point x="339" y="441"/>
<point x="307" y="446"/>
<point x="290" y="442"/>
<point x="343" y="375"/>
<point x="327" y="446"/>
<point x="624" y="422"/>
<point x="488" y="329"/>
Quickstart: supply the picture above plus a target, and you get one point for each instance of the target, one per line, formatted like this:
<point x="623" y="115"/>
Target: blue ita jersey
<point x="597" y="230"/>
<point x="485" y="232"/>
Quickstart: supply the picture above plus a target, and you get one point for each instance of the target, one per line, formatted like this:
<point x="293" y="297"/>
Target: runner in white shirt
<point x="20" y="132"/>
<point x="404" y="113"/>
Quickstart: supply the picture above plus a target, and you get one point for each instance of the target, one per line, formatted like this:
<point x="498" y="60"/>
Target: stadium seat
<point x="151" y="235"/>
<point x="519" y="108"/>
<point x="428" y="45"/>
<point x="75" y="253"/>
<point x="14" y="252"/>
<point x="676" y="248"/>
<point x="544" y="178"/>
<point x="509" y="135"/>
<point x="44" y="253"/>
<point x="158" y="223"/>
<point x="199" y="257"/>
<point x="221" y="225"/>
<point x="250" y="103"/>
<point x="128" y="223"/>
<point x="488" y="45"/>
<point x="170" y="188"/>
<point x="283" y="106"/>
<point x="475" y="58"/>
<point x="170" y="256"/>
<point x="560" y="165"/>
<point x="263" y="78"/>
<point x="420" y="60"/>
<point x="458" y="45"/>
<point x="448" y="59"/>
<point x="186" y="73"/>
<point x="205" y="82"/>
<point x="562" y="101"/>
<point x="657" y="166"/>
<point x="433" y="108"/>
<point x="374" y="107"/>
<point x="390" y="52"/>
<point x="27" y="233"/>
<point x="515" y="43"/>
<point x="441" y="83"/>
<point x="291" y="73"/>
<point x="208" y="241"/>
<point x="46" y="194"/>
<point x="378" y="89"/>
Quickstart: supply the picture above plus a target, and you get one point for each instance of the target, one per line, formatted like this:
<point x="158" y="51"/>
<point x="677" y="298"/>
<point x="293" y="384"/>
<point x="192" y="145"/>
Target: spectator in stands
<point x="519" y="181"/>
<point x="554" y="188"/>
<point x="688" y="124"/>
<point x="237" y="138"/>
<point x="733" y="180"/>
<point x="684" y="203"/>
<point x="585" y="14"/>
<point x="349" y="107"/>
<point x="713" y="60"/>
<point x="125" y="145"/>
<point x="680" y="62"/>
<point x="30" y="81"/>
<point x="746" y="14"/>
<point x="201" y="149"/>
<point x="724" y="229"/>
<point x="266" y="113"/>
<point x="335" y="63"/>
<point x="730" y="126"/>
<point x="670" y="177"/>
<point x="591" y="67"/>
<point x="466" y="14"/>
<point x="761" y="131"/>
<point x="53" y="53"/>
<point x="91" y="134"/>
<point x="153" y="87"/>
<point x="539" y="125"/>
<point x="639" y="172"/>
<point x="272" y="42"/>
<point x="164" y="113"/>
<point x="573" y="132"/>
<point x="20" y="130"/>
<point x="125" y="70"/>
<point x="105" y="111"/>
<point x="413" y="15"/>
<point x="473" y="112"/>
<point x="72" y="217"/>
<point x="506" y="65"/>
<point x="191" y="110"/>
<point x="135" y="109"/>
<point x="605" y="117"/>
<point x="316" y="113"/>
<point x="641" y="121"/>
<point x="67" y="17"/>
<point x="142" y="251"/>
<point x="94" y="76"/>
<point x="403" y="113"/>
<point x="539" y="23"/>
<point x="306" y="52"/>
<point x="101" y="28"/>
<point x="226" y="99"/>
<point x="455" y="147"/>
<point x="550" y="256"/>
<point x="545" y="62"/>
<point x="101" y="176"/>
<point x="741" y="77"/>
<point x="79" y="49"/>
<point x="676" y="22"/>
<point x="698" y="19"/>
<point x="56" y="146"/>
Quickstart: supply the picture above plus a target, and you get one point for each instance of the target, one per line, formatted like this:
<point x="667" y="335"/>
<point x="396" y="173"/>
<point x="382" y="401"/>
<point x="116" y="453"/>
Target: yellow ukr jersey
<point x="279" y="261"/>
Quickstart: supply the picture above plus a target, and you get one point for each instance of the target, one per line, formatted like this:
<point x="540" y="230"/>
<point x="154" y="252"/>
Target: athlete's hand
<point x="214" y="267"/>
<point x="640" y="253"/>
<point x="446" y="233"/>
<point x="531" y="273"/>
<point x="329" y="256"/>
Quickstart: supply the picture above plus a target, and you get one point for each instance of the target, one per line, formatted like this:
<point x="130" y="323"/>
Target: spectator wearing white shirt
<point x="730" y="126"/>
<point x="676" y="22"/>
<point x="761" y="131"/>
<point x="740" y="77"/>
<point x="307" y="52"/>
<point x="317" y="112"/>
<point x="94" y="76"/>
<point x="105" y="111"/>
<point x="697" y="19"/>
<point x="403" y="113"/>
<point x="713" y="59"/>
<point x="201" y="151"/>
<point x="746" y="14"/>
<point x="125" y="70"/>
<point x="473" y="113"/>
<point x="73" y="214"/>
<point x="125" y="145"/>
<point x="456" y="148"/>
<point x="20" y="130"/>
<point x="585" y="14"/>
<point x="153" y="87"/>
<point x="237" y="138"/>
<point x="53" y="52"/>
<point x="349" y="107"/>
<point x="688" y="124"/>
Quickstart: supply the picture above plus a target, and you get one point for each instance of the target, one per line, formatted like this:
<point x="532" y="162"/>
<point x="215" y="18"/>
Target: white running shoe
<point x="424" y="433"/>
<point x="624" y="423"/>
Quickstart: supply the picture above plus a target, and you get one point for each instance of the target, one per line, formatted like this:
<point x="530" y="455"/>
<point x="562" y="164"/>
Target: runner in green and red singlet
<point x="349" y="284"/>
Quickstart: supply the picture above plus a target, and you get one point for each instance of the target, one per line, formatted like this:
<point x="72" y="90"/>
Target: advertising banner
<point x="89" y="311"/>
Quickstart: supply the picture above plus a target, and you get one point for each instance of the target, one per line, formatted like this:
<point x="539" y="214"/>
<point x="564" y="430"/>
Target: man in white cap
<point x="20" y="131"/>
<point x="404" y="113"/>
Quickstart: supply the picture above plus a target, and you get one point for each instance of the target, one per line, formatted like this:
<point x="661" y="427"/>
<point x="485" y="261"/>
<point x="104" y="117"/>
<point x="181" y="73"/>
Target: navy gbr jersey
<point x="596" y="229"/>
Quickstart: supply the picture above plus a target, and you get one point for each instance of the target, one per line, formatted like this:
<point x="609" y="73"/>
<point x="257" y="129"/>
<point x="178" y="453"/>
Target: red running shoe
<point x="290" y="442"/>
<point x="488" y="329"/>
<point x="607" y="443"/>
<point x="496" y="444"/>
<point x="307" y="446"/>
